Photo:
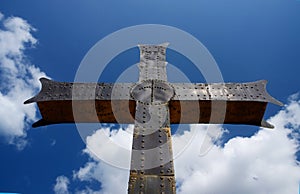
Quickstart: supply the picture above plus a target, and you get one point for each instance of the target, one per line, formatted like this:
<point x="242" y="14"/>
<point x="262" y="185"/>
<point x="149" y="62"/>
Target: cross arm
<point x="64" y="102"/>
<point x="231" y="103"/>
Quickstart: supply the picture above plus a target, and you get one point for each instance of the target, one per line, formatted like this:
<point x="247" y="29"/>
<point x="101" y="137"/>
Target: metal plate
<point x="152" y="168"/>
<point x="252" y="91"/>
<point x="151" y="184"/>
<point x="228" y="103"/>
<point x="63" y="102"/>
<point x="153" y="92"/>
<point x="218" y="112"/>
<point x="59" y="91"/>
<point x="153" y="62"/>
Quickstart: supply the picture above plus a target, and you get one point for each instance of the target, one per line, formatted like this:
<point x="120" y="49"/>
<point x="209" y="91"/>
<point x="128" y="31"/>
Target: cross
<point x="152" y="104"/>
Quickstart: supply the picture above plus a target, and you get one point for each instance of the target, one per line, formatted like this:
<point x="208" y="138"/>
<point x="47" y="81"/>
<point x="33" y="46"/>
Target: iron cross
<point x="152" y="104"/>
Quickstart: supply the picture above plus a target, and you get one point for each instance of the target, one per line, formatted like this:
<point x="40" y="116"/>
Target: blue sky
<point x="250" y="40"/>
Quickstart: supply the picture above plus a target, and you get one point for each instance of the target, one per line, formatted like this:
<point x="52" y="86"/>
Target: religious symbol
<point x="152" y="104"/>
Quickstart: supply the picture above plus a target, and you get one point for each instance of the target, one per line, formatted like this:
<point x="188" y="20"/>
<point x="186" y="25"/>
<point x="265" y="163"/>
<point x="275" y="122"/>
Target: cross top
<point x="153" y="62"/>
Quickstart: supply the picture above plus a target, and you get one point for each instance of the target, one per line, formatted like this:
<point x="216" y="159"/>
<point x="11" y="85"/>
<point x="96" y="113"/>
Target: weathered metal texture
<point x="152" y="136"/>
<point x="85" y="111"/>
<point x="153" y="62"/>
<point x="152" y="169"/>
<point x="251" y="91"/>
<point x="152" y="104"/>
<point x="64" y="91"/>
<point x="151" y="184"/>
<point x="229" y="103"/>
<point x="153" y="92"/>
<point x="216" y="112"/>
<point x="63" y="102"/>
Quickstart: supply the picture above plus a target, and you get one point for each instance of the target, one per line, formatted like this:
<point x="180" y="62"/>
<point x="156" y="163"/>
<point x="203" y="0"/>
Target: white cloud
<point x="112" y="147"/>
<point x="87" y="191"/>
<point x="118" y="142"/>
<point x="113" y="180"/>
<point x="263" y="163"/>
<point x="61" y="186"/>
<point x="18" y="79"/>
<point x="256" y="164"/>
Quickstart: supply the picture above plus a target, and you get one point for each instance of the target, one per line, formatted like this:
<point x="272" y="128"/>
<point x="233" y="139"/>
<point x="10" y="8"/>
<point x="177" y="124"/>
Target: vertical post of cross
<point x="152" y="169"/>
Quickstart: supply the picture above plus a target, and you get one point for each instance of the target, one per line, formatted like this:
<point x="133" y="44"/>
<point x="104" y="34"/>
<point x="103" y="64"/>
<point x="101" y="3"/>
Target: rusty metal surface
<point x="64" y="91"/>
<point x="152" y="105"/>
<point x="86" y="111"/>
<point x="152" y="169"/>
<point x="228" y="103"/>
<point x="218" y="112"/>
<point x="251" y="91"/>
<point x="64" y="102"/>
<point x="245" y="103"/>
<point x="154" y="92"/>
<point x="151" y="184"/>
<point x="153" y="62"/>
